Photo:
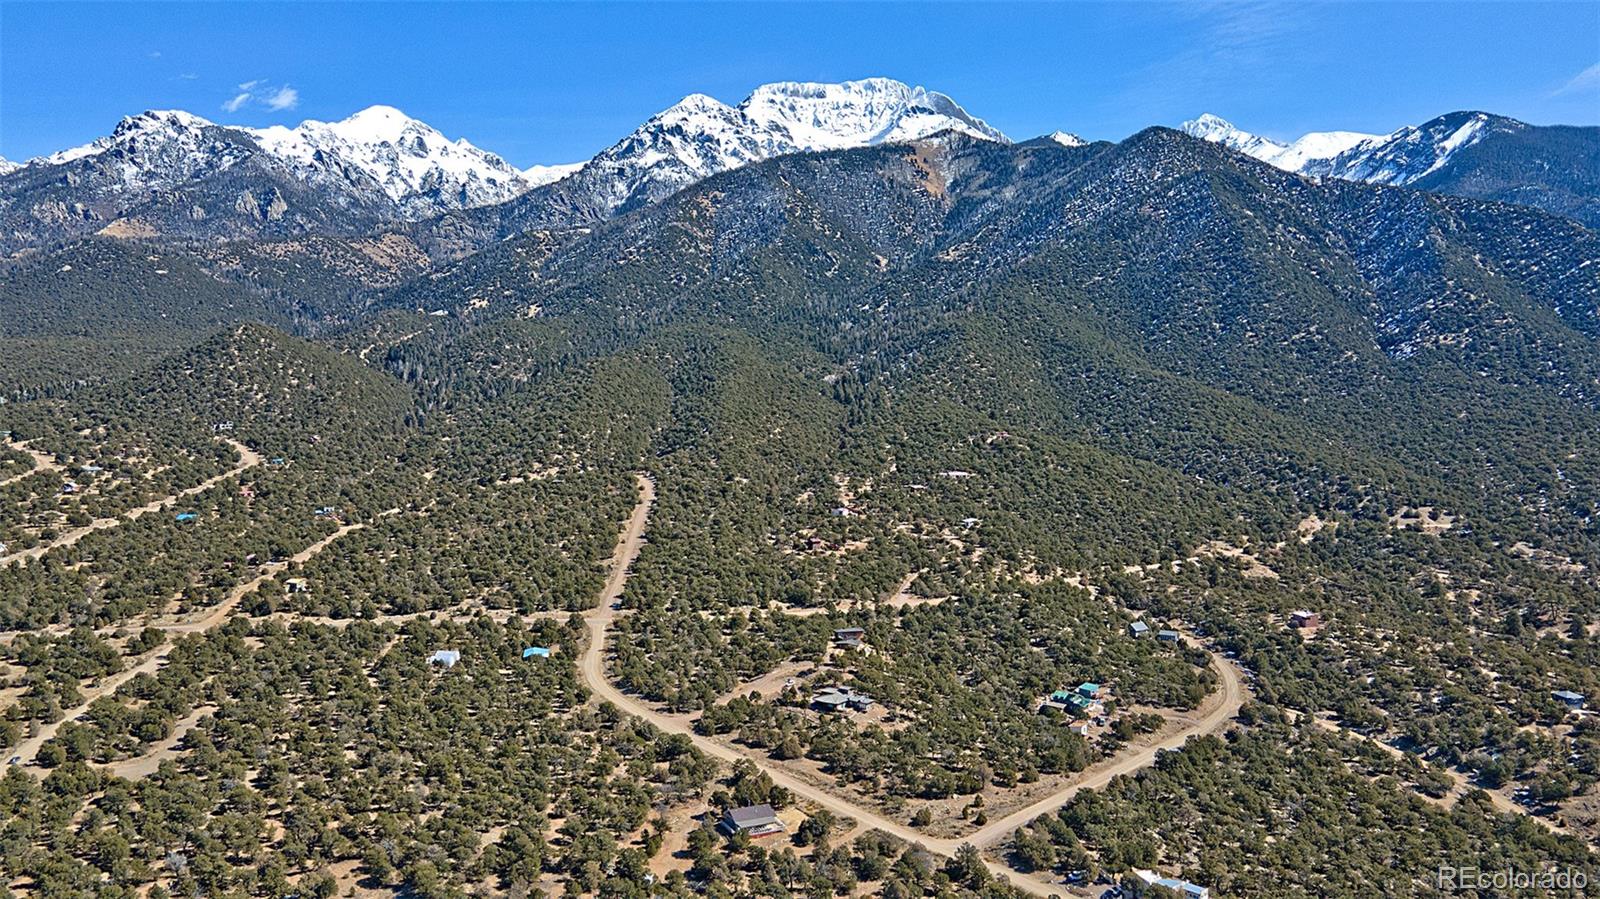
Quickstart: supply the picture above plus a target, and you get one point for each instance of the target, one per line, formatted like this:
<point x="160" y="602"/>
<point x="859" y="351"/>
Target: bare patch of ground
<point x="146" y="765"/>
<point x="1426" y="519"/>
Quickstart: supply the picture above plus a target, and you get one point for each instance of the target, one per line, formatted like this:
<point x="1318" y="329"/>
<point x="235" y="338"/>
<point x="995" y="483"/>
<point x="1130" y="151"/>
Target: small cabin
<point x="1303" y="618"/>
<point x="1166" y="635"/>
<point x="1138" y="629"/>
<point x="446" y="657"/>
<point x="536" y="652"/>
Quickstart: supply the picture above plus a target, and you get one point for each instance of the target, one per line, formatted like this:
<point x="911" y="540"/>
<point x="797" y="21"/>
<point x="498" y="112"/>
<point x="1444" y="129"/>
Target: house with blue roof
<point x="536" y="652"/>
<point x="185" y="516"/>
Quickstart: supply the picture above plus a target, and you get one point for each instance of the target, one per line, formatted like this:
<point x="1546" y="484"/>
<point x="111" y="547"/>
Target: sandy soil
<point x="146" y="765"/>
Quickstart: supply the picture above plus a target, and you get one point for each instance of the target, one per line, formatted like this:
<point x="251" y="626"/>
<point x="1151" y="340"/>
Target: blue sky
<point x="543" y="83"/>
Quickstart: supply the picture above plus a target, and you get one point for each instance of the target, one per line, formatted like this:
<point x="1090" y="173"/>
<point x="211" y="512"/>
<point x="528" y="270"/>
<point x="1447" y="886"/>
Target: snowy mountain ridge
<point x="1398" y="158"/>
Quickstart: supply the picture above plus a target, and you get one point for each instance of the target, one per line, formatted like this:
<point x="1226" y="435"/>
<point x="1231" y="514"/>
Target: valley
<point x="855" y="503"/>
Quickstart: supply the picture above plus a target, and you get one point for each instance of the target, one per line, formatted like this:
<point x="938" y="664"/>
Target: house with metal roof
<point x="754" y="820"/>
<point x="1568" y="698"/>
<point x="536" y="652"/>
<point x="1138" y="629"/>
<point x="838" y="699"/>
<point x="446" y="657"/>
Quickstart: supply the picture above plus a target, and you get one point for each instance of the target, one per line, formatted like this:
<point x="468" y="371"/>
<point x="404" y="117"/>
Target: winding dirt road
<point x="592" y="667"/>
<point x="28" y="750"/>
<point x="248" y="458"/>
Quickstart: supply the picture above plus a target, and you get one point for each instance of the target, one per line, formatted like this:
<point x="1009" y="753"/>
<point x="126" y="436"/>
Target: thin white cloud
<point x="284" y="97"/>
<point x="258" y="93"/>
<point x="1581" y="83"/>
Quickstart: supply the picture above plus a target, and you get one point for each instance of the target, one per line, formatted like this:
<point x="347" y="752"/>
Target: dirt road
<point x="592" y="668"/>
<point x="42" y="463"/>
<point x="28" y="750"/>
<point x="248" y="458"/>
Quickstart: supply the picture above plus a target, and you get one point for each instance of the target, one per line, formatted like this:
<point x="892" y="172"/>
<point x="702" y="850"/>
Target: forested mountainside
<point x="991" y="404"/>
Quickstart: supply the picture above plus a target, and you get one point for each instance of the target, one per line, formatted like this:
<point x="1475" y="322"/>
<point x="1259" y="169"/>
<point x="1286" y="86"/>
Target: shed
<point x="844" y="634"/>
<point x="185" y="516"/>
<point x="536" y="652"/>
<point x="1166" y="635"/>
<point x="446" y="657"/>
<point x="295" y="585"/>
<point x="1138" y="629"/>
<point x="755" y="820"/>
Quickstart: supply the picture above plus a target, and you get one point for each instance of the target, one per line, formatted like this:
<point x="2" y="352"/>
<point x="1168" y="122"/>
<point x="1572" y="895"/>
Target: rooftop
<point x="751" y="816"/>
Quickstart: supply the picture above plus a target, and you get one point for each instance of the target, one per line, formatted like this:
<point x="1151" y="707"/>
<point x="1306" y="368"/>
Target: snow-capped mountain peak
<point x="153" y="127"/>
<point x="819" y="116"/>
<point x="700" y="136"/>
<point x="1221" y="131"/>
<point x="415" y="165"/>
<point x="1066" y="139"/>
<point x="540" y="175"/>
